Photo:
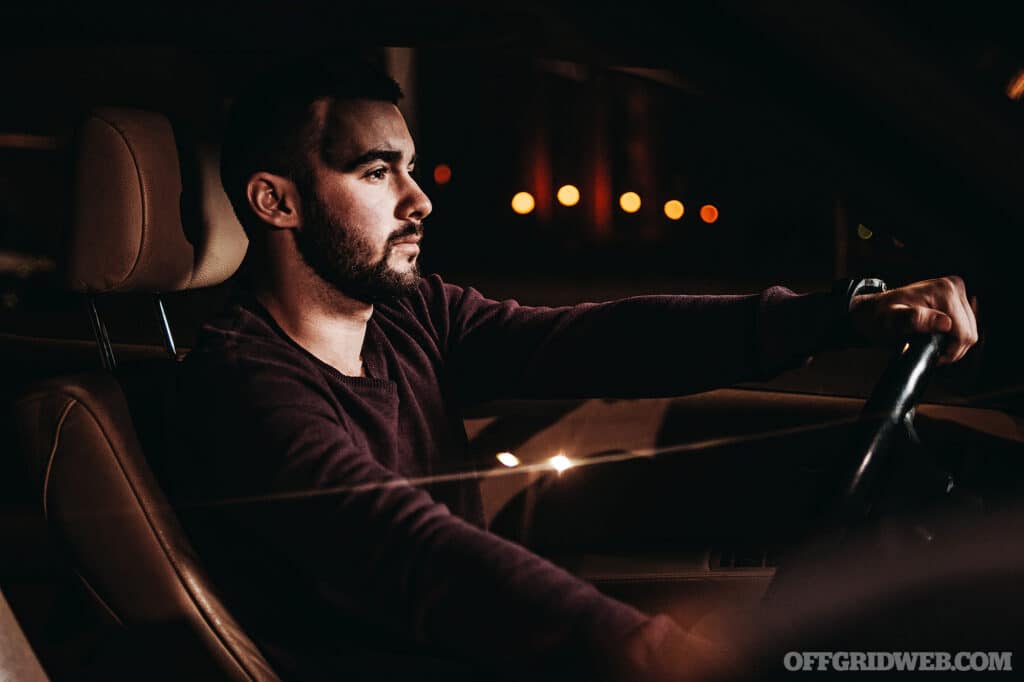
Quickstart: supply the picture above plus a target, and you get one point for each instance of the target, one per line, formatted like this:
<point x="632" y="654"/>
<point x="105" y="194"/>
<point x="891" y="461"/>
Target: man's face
<point x="362" y="216"/>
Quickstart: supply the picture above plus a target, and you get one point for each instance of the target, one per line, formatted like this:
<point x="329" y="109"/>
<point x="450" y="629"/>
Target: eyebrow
<point x="387" y="155"/>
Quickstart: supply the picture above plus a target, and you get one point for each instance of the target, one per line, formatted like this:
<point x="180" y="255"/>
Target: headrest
<point x="150" y="212"/>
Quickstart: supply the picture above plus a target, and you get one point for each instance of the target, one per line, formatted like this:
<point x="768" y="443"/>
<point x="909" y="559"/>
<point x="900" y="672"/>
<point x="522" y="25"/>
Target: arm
<point x="647" y="346"/>
<point x="387" y="555"/>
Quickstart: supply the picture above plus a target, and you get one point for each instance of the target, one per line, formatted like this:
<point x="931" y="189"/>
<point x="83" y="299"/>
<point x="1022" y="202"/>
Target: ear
<point x="274" y="199"/>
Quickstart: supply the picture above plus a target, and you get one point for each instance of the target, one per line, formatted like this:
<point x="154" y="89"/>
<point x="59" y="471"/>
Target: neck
<point x="318" y="317"/>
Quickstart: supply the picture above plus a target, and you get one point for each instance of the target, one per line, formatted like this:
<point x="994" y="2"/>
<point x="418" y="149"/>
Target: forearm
<point x="642" y="347"/>
<point x="393" y="558"/>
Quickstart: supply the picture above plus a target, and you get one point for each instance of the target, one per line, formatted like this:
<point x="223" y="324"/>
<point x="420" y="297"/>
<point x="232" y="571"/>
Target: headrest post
<point x="165" y="327"/>
<point x="99" y="331"/>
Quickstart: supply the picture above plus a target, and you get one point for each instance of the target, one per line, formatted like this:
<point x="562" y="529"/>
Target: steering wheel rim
<point x="881" y="420"/>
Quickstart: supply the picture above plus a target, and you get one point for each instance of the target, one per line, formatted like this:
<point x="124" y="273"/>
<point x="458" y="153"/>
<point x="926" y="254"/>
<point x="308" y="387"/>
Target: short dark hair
<point x="271" y="126"/>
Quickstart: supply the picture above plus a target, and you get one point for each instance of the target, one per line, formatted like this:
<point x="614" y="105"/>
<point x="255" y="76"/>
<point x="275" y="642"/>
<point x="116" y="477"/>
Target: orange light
<point x="523" y="203"/>
<point x="674" y="209"/>
<point x="1015" y="88"/>
<point x="442" y="173"/>
<point x="568" y="195"/>
<point x="630" y="202"/>
<point x="709" y="213"/>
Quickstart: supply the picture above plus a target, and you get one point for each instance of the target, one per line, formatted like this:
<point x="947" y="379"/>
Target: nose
<point x="415" y="204"/>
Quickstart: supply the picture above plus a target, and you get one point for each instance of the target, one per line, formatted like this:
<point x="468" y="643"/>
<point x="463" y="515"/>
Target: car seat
<point x="150" y="217"/>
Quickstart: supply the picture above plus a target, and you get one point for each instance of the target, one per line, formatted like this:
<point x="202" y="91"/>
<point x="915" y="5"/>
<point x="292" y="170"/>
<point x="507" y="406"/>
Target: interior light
<point x="674" y="209"/>
<point x="523" y="203"/>
<point x="709" y="213"/>
<point x="560" y="462"/>
<point x="508" y="459"/>
<point x="630" y="202"/>
<point x="864" y="233"/>
<point x="568" y="195"/>
<point x="442" y="173"/>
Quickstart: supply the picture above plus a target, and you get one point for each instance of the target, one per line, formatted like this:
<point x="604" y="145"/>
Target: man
<point x="340" y="370"/>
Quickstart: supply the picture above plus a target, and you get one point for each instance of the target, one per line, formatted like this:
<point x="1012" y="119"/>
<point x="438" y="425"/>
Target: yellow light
<point x="906" y="347"/>
<point x="442" y="173"/>
<point x="523" y="203"/>
<point x="674" y="209"/>
<point x="864" y="233"/>
<point x="560" y="462"/>
<point x="630" y="202"/>
<point x="508" y="459"/>
<point x="568" y="195"/>
<point x="709" y="213"/>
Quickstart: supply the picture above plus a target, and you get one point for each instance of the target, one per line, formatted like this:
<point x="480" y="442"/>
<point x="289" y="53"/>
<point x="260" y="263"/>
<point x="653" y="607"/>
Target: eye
<point x="377" y="173"/>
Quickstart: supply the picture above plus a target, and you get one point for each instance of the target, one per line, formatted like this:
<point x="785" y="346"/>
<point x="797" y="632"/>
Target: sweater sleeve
<point x="381" y="551"/>
<point x="644" y="346"/>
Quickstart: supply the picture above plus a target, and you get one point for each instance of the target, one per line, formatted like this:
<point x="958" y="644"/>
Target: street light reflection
<point x="508" y="459"/>
<point x="560" y="462"/>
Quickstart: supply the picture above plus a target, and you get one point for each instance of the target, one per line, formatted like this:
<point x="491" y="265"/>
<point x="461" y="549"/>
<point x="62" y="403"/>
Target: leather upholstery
<point x="146" y="221"/>
<point x="17" y="659"/>
<point x="105" y="508"/>
<point x="150" y="213"/>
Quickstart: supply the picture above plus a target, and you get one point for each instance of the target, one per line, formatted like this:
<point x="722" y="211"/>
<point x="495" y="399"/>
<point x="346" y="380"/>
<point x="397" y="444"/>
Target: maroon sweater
<point x="323" y="579"/>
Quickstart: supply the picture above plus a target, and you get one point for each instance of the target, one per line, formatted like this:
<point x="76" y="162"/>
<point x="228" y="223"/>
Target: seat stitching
<point x="142" y="192"/>
<point x="53" y="453"/>
<point x="98" y="598"/>
<point x="162" y="544"/>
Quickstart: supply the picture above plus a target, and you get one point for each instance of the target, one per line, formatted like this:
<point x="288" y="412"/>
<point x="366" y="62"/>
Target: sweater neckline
<point x="373" y="360"/>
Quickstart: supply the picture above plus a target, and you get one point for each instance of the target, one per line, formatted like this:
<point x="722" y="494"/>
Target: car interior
<point x="80" y="433"/>
<point x="743" y="511"/>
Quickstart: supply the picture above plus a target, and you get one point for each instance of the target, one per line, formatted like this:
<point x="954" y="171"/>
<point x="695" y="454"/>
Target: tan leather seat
<point x="18" y="661"/>
<point x="148" y="219"/>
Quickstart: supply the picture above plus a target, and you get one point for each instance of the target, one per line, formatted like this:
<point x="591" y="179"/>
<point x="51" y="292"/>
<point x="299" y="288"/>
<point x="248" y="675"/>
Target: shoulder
<point x="428" y="308"/>
<point x="242" y="349"/>
<point x="433" y="295"/>
<point x="443" y="309"/>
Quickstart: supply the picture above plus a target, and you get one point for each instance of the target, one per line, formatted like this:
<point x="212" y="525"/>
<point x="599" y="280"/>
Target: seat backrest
<point x="149" y="218"/>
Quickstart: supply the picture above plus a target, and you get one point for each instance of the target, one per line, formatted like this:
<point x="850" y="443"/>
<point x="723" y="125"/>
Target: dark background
<point x="800" y="124"/>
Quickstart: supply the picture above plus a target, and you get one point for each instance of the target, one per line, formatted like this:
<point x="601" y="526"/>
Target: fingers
<point x="965" y="326"/>
<point x="910" y="320"/>
<point x="916" y="319"/>
<point x="933" y="306"/>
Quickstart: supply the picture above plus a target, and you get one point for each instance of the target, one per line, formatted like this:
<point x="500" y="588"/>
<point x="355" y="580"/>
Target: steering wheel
<point x="800" y="593"/>
<point x="886" y="416"/>
<point x="888" y="413"/>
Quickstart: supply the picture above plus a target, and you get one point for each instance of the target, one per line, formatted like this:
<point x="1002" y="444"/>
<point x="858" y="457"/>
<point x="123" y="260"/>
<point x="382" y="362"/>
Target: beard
<point x="344" y="259"/>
